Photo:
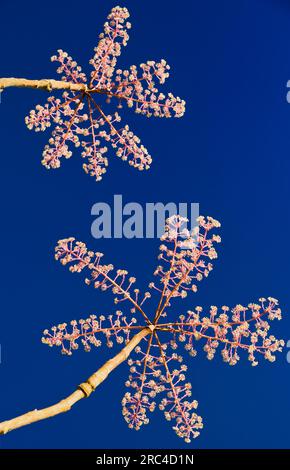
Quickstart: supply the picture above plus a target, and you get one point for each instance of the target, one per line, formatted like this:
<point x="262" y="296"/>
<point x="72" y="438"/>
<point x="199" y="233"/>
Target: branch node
<point x="49" y="87"/>
<point x="86" y="388"/>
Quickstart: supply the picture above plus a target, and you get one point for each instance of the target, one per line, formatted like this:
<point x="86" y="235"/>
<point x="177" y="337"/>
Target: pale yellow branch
<point x="84" y="390"/>
<point x="45" y="84"/>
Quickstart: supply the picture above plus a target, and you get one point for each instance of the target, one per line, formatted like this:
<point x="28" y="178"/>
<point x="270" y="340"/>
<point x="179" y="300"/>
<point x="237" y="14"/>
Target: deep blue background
<point x="231" y="152"/>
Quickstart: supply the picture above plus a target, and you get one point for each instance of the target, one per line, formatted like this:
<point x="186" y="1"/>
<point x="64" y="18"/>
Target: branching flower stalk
<point x="78" y="117"/>
<point x="156" y="368"/>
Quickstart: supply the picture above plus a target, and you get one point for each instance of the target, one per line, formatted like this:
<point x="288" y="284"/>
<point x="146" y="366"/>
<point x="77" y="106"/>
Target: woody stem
<point x="83" y="390"/>
<point x="43" y="84"/>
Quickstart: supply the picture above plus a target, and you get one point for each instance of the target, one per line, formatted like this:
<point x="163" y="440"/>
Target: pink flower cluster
<point x="80" y="119"/>
<point x="114" y="36"/>
<point x="156" y="369"/>
<point x="140" y="90"/>
<point x="144" y="380"/>
<point x="242" y="328"/>
<point x="89" y="331"/>
<point x="102" y="276"/>
<point x="68" y="68"/>
<point x="184" y="256"/>
<point x="161" y="372"/>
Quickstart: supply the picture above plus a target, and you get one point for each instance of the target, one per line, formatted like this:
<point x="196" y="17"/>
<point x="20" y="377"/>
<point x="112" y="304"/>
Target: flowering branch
<point x="155" y="368"/>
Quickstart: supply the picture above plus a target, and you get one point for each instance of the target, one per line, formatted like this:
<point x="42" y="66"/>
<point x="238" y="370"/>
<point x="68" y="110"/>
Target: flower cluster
<point x="176" y="405"/>
<point x="114" y="36"/>
<point x="89" y="331"/>
<point x="68" y="68"/>
<point x="156" y="370"/>
<point x="144" y="380"/>
<point x="145" y="98"/>
<point x="79" y="117"/>
<point x="102" y="276"/>
<point x="152" y="374"/>
<point x="242" y="328"/>
<point x="184" y="256"/>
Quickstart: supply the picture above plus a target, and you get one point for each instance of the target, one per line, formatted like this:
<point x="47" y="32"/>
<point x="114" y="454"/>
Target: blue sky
<point x="230" y="153"/>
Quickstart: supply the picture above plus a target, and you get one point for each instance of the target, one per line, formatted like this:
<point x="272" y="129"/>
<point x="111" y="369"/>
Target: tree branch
<point x="83" y="391"/>
<point x="44" y="84"/>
